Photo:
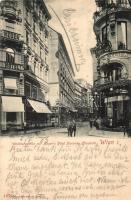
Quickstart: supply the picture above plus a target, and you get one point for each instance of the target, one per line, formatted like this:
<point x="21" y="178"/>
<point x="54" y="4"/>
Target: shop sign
<point x="107" y="58"/>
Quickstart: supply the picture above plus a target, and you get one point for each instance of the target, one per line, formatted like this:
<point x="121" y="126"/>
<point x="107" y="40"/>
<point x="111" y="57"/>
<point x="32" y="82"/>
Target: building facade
<point x="23" y="63"/>
<point x="82" y="99"/>
<point x="61" y="80"/>
<point x="112" y="26"/>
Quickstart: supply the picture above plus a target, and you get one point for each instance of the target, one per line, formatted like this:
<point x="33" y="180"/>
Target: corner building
<point x="112" y="26"/>
<point x="23" y="63"/>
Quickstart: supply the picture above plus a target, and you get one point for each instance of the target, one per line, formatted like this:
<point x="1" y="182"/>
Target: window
<point x="27" y="89"/>
<point x="40" y="72"/>
<point x="114" y="75"/>
<point x="34" y="92"/>
<point x="34" y="26"/>
<point x="34" y="67"/>
<point x="27" y="37"/>
<point x="35" y="45"/>
<point x="10" y="56"/>
<point x="41" y="96"/>
<point x="121" y="35"/>
<point x="105" y="33"/>
<point x="27" y="15"/>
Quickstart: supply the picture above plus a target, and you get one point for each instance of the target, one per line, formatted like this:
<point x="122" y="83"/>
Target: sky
<point x="74" y="20"/>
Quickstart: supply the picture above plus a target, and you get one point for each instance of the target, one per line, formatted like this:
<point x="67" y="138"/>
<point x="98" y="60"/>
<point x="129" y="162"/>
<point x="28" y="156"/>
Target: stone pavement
<point x="83" y="130"/>
<point x="102" y="133"/>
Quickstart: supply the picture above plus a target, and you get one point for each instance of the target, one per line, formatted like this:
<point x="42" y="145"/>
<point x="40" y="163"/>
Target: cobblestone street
<point x="83" y="130"/>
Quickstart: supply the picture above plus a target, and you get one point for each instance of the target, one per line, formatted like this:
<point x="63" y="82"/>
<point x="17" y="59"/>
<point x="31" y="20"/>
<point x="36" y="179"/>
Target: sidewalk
<point x="102" y="133"/>
<point x="25" y="132"/>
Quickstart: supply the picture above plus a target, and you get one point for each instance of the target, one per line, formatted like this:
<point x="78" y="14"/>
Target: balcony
<point x="8" y="35"/>
<point x="9" y="10"/>
<point x="12" y="67"/>
<point x="110" y="9"/>
<point x="104" y="83"/>
<point x="103" y="47"/>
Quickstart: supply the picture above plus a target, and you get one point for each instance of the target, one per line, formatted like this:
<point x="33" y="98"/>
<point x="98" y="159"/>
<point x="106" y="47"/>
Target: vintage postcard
<point x="65" y="99"/>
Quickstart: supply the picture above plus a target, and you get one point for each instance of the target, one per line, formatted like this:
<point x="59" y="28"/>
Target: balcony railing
<point x="111" y="8"/>
<point x="103" y="47"/>
<point x="11" y="66"/>
<point x="10" y="35"/>
<point x="105" y="83"/>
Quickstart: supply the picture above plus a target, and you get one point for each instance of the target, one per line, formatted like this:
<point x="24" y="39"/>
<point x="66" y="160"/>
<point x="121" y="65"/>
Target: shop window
<point x="122" y="35"/>
<point x="10" y="56"/>
<point x="11" y="117"/>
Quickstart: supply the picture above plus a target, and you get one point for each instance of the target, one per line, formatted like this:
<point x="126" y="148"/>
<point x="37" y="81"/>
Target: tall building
<point x="82" y="99"/>
<point x="61" y="79"/>
<point x="23" y="63"/>
<point x="112" y="26"/>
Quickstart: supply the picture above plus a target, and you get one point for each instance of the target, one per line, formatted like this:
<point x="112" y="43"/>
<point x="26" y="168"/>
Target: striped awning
<point x="39" y="107"/>
<point x="12" y="104"/>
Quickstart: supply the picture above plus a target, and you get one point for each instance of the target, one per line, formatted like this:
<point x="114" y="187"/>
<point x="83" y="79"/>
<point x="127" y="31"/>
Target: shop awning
<point x="116" y="98"/>
<point x="10" y="83"/>
<point x="12" y="104"/>
<point x="39" y="107"/>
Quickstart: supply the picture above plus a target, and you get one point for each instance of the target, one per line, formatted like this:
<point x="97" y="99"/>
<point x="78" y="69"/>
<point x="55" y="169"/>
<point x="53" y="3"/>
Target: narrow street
<point x="83" y="130"/>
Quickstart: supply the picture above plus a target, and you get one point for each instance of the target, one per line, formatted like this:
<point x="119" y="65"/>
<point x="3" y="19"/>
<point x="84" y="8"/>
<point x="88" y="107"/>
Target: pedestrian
<point x="74" y="127"/>
<point x="70" y="128"/>
<point x="125" y="127"/>
<point x="91" y="123"/>
<point x="124" y="131"/>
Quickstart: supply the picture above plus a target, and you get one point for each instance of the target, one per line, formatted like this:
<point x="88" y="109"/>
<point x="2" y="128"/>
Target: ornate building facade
<point x="112" y="26"/>
<point x="82" y="99"/>
<point x="61" y="80"/>
<point x="23" y="63"/>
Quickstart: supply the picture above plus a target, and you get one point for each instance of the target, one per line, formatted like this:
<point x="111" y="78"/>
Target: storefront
<point x="115" y="110"/>
<point x="12" y="113"/>
<point x="37" y="114"/>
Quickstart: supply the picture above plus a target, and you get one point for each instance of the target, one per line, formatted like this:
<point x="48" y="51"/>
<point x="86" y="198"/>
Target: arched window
<point x="10" y="55"/>
<point x="114" y="74"/>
